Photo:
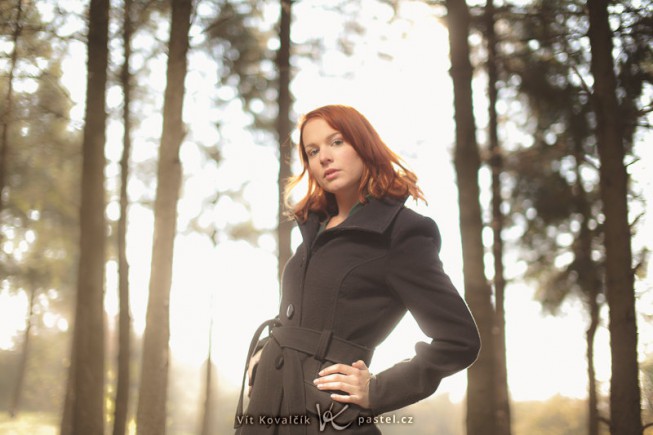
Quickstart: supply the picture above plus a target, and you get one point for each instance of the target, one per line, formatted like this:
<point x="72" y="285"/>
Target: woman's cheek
<point x="317" y="179"/>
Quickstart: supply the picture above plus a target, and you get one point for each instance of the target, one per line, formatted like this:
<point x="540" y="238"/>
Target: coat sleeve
<point x="415" y="274"/>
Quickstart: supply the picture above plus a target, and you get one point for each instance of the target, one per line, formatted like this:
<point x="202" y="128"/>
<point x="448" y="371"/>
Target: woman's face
<point x="334" y="163"/>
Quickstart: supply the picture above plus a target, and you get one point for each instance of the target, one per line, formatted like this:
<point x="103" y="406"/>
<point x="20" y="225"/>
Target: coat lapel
<point x="375" y="216"/>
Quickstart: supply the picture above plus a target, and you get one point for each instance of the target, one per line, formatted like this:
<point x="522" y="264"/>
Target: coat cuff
<point x="400" y="386"/>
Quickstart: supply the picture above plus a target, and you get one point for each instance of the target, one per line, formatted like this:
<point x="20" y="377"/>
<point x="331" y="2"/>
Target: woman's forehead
<point x="316" y="130"/>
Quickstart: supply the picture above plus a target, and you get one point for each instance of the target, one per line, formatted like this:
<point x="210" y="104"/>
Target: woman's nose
<point x="325" y="155"/>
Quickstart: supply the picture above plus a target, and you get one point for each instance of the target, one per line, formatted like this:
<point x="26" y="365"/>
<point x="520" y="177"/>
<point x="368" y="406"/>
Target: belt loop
<point x="252" y="348"/>
<point x="323" y="344"/>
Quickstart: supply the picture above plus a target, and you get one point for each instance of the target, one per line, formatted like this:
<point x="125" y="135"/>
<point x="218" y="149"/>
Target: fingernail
<point x="321" y="372"/>
<point x="315" y="381"/>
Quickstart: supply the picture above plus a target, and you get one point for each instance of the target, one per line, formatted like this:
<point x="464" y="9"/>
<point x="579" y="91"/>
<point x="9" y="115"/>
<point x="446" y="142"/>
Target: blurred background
<point x="140" y="202"/>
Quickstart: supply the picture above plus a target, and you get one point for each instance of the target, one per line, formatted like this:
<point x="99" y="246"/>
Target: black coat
<point x="343" y="292"/>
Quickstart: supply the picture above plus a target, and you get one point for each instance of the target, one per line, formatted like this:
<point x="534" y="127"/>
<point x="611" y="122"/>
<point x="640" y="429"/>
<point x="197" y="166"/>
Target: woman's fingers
<point x="251" y="370"/>
<point x="338" y="383"/>
<point x="352" y="379"/>
<point x="337" y="368"/>
<point x="360" y="364"/>
<point x="252" y="363"/>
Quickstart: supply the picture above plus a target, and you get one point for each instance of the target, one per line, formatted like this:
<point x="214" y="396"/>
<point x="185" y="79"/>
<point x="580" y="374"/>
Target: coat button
<point x="290" y="311"/>
<point x="278" y="363"/>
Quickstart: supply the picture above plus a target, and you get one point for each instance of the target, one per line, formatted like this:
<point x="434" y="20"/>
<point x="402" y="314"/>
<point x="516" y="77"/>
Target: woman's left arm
<point x="415" y="274"/>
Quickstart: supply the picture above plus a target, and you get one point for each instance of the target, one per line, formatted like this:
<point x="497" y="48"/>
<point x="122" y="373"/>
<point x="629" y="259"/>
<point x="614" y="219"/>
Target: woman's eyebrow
<point x="332" y="135"/>
<point x="329" y="138"/>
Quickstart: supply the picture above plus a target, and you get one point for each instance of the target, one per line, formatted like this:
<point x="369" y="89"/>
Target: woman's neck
<point x="345" y="204"/>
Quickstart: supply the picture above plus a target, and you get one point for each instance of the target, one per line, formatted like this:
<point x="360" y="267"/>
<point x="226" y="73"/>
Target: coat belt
<point x="321" y="345"/>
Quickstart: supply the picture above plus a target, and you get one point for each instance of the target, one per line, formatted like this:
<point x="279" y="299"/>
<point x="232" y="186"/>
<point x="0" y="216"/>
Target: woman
<point x="365" y="259"/>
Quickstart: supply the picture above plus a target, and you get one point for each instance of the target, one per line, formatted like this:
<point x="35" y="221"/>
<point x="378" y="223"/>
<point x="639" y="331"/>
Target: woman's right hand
<point x="253" y="361"/>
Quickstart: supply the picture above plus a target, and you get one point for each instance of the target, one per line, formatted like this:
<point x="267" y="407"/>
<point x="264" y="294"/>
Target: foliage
<point x="546" y="68"/>
<point x="557" y="416"/>
<point x="39" y="221"/>
<point x="540" y="61"/>
<point x="239" y="43"/>
<point x="46" y="372"/>
<point x="633" y="28"/>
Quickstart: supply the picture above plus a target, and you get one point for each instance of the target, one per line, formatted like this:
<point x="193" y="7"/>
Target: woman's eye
<point x="311" y="152"/>
<point x="337" y="142"/>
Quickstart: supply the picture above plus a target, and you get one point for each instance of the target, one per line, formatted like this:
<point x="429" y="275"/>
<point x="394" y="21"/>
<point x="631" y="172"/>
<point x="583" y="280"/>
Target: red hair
<point x="384" y="173"/>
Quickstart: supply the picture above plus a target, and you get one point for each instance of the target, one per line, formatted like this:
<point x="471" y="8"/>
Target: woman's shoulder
<point x="409" y="222"/>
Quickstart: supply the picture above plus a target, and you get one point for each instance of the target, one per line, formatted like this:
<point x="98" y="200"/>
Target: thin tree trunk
<point x="69" y="399"/>
<point x="88" y="354"/>
<point x="625" y="411"/>
<point x="207" y="409"/>
<point x="481" y="377"/>
<point x="22" y="363"/>
<point x="592" y="401"/>
<point x="496" y="164"/>
<point x="124" y="317"/>
<point x="283" y="130"/>
<point x="151" y="414"/>
<point x="590" y="283"/>
<point x="9" y="100"/>
<point x="207" y="427"/>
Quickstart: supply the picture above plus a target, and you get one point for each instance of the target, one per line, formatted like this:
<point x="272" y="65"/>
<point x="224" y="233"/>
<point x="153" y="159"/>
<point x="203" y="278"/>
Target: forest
<point x="144" y="150"/>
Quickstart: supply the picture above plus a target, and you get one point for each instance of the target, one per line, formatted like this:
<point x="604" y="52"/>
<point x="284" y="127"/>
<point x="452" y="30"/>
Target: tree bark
<point x="625" y="411"/>
<point x="7" y="114"/>
<point x="283" y="131"/>
<point x="151" y="414"/>
<point x="481" y="382"/>
<point x="124" y="317"/>
<point x="88" y="350"/>
<point x="496" y="165"/>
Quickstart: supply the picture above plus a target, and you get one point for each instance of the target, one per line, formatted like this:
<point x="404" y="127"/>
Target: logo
<point x="329" y="417"/>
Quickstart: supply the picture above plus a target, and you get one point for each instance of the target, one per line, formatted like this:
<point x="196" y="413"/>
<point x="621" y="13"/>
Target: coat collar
<point x="375" y="216"/>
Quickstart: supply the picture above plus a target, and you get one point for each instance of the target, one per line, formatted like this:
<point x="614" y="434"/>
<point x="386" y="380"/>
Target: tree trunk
<point x="88" y="353"/>
<point x="124" y="317"/>
<point x="592" y="401"/>
<point x="207" y="425"/>
<point x="496" y="164"/>
<point x="151" y="414"/>
<point x="22" y="363"/>
<point x="283" y="130"/>
<point x="590" y="283"/>
<point x="625" y="412"/>
<point x="9" y="100"/>
<point x="481" y="377"/>
<point x="67" y="412"/>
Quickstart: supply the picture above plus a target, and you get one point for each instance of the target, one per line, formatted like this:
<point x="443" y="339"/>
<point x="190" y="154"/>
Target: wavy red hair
<point x="384" y="174"/>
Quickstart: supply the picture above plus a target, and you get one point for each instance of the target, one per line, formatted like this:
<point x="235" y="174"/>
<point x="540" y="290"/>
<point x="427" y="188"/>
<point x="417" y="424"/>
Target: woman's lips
<point x="329" y="174"/>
